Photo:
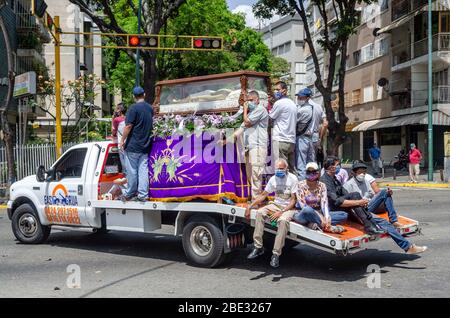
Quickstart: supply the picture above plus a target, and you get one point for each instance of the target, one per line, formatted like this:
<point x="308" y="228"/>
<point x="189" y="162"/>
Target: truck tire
<point x="27" y="227"/>
<point x="203" y="241"/>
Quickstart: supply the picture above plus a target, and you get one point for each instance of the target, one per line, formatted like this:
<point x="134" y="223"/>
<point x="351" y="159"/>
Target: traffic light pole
<point x="138" y="53"/>
<point x="58" y="88"/>
<point x="430" y="94"/>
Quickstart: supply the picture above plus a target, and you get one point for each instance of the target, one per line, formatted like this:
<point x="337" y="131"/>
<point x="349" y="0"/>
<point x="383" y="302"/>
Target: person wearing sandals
<point x="313" y="201"/>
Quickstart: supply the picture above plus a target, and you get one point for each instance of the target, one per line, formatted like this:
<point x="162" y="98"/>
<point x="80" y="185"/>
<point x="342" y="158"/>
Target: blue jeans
<point x="304" y="153"/>
<point x="377" y="202"/>
<point x="308" y="215"/>
<point x="137" y="174"/>
<point x="392" y="231"/>
<point x="122" y="161"/>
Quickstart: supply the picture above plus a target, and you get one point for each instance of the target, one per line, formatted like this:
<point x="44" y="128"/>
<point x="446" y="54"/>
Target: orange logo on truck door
<point x="60" y="207"/>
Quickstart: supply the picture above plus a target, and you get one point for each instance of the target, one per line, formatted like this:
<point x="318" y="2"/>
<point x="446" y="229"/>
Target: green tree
<point x="280" y="68"/>
<point x="335" y="35"/>
<point x="244" y="48"/>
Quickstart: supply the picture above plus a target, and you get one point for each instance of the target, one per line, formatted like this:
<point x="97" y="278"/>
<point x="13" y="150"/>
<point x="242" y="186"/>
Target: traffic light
<point x="150" y="41"/>
<point x="207" y="43"/>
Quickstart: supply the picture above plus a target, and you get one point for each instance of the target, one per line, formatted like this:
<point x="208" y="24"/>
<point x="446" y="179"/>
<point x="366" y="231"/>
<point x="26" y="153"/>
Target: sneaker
<point x="337" y="229"/>
<point x="414" y="249"/>
<point x="314" y="226"/>
<point x="140" y="199"/>
<point x="124" y="198"/>
<point x="255" y="253"/>
<point x="275" y="261"/>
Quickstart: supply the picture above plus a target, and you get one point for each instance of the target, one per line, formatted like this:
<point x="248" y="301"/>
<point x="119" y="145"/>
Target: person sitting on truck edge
<point x="341" y="174"/>
<point x="313" y="201"/>
<point x="136" y="142"/>
<point x="379" y="200"/>
<point x="284" y="185"/>
<point x="355" y="205"/>
<point x="341" y="200"/>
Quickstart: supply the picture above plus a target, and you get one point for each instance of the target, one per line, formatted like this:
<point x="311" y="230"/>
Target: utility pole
<point x="138" y="54"/>
<point x="58" y="88"/>
<point x="430" y="93"/>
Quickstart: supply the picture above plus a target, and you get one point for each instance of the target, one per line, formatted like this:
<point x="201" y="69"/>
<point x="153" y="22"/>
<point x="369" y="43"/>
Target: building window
<point x="347" y="100"/>
<point x="368" y="94"/>
<point x="356" y="97"/>
<point x="300" y="68"/>
<point x="356" y="58"/>
<point x="390" y="136"/>
<point x="384" y="4"/>
<point x="367" y="53"/>
<point x="381" y="47"/>
<point x="379" y="92"/>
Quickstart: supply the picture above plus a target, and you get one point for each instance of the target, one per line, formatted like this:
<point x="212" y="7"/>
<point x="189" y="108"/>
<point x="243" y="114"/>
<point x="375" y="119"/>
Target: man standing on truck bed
<point x="136" y="142"/>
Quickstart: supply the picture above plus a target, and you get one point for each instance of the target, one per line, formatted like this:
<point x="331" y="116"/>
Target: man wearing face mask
<point x="339" y="199"/>
<point x="255" y="125"/>
<point x="284" y="118"/>
<point x="310" y="118"/>
<point x="281" y="210"/>
<point x="378" y="202"/>
<point x="360" y="184"/>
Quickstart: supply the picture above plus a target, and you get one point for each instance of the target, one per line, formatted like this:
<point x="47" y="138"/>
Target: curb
<point x="414" y="185"/>
<point x="3" y="206"/>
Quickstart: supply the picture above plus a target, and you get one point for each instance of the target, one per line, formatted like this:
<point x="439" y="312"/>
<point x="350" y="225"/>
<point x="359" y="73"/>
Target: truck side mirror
<point x="40" y="174"/>
<point x="50" y="175"/>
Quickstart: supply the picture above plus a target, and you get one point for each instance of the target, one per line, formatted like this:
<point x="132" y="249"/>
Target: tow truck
<point x="69" y="194"/>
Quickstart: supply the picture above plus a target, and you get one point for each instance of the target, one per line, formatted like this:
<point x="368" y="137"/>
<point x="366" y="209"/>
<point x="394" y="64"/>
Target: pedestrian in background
<point x="284" y="117"/>
<point x="375" y="157"/>
<point x="118" y="124"/>
<point x="415" y="156"/>
<point x="136" y="142"/>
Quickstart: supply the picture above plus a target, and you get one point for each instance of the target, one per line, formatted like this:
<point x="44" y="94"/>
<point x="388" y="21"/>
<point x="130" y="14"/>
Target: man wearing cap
<point x="309" y="130"/>
<point x="136" y="143"/>
<point x="375" y="157"/>
<point x="378" y="202"/>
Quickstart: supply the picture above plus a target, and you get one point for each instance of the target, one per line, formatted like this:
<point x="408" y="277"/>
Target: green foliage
<point x="280" y="67"/>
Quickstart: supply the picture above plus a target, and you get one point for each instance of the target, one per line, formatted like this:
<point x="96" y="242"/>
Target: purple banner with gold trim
<point x="184" y="168"/>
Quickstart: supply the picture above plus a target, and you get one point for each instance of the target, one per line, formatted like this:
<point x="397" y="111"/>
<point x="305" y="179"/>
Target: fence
<point x="27" y="158"/>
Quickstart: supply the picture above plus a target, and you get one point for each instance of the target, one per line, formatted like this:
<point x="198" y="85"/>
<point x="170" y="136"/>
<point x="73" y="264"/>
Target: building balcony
<point x="401" y="54"/>
<point x="401" y="8"/>
<point x="441" y="42"/>
<point x="441" y="95"/>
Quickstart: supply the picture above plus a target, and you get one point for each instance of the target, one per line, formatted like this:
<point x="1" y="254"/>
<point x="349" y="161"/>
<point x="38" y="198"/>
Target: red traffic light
<point x="134" y="41"/>
<point x="207" y="43"/>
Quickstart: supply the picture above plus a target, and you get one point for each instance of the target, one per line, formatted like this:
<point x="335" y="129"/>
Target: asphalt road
<point x="154" y="265"/>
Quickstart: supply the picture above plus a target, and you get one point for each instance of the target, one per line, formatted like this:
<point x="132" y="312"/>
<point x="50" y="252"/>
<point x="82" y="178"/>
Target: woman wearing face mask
<point x="313" y="201"/>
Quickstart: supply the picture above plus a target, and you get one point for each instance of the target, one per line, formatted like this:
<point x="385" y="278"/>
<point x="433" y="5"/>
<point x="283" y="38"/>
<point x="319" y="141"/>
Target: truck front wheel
<point x="26" y="225"/>
<point x="203" y="241"/>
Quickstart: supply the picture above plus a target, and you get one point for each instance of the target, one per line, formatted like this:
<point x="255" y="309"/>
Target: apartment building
<point x="27" y="37"/>
<point x="285" y="38"/>
<point x="387" y="84"/>
<point x="76" y="61"/>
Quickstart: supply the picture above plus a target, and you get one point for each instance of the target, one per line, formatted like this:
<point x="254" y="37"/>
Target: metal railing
<point x="401" y="53"/>
<point x="27" y="158"/>
<point x="441" y="42"/>
<point x="441" y="95"/>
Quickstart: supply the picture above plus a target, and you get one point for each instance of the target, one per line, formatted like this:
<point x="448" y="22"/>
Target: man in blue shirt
<point x="136" y="143"/>
<point x="375" y="157"/>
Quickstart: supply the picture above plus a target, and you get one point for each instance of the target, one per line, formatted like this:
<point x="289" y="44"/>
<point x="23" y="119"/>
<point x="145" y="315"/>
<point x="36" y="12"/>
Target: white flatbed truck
<point x="69" y="194"/>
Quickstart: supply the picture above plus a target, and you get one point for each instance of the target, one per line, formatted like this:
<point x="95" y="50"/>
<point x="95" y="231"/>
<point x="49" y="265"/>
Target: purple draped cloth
<point x="184" y="168"/>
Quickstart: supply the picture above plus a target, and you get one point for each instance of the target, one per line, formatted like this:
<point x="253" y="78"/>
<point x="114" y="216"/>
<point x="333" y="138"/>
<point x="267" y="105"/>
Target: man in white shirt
<point x="284" y="118"/>
<point x="281" y="210"/>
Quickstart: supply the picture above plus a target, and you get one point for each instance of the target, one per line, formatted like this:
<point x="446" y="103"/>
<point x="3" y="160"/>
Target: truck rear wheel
<point x="27" y="227"/>
<point x="203" y="241"/>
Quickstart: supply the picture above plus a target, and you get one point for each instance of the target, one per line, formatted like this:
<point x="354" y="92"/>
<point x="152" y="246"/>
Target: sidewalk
<point x="402" y="179"/>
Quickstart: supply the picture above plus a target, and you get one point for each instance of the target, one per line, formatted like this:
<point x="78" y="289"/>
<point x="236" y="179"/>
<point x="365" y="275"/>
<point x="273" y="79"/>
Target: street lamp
<point x="430" y="94"/>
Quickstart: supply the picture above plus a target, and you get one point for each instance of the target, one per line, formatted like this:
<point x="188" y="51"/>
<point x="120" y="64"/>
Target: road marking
<point x="414" y="185"/>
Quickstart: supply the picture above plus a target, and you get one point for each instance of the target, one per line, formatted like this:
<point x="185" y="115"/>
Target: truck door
<point x="65" y="197"/>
